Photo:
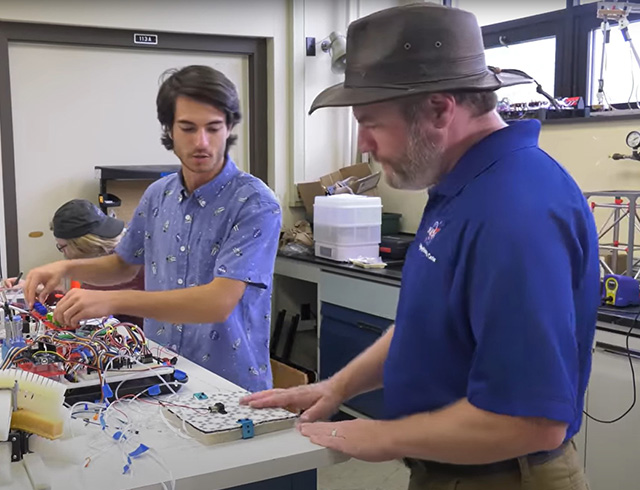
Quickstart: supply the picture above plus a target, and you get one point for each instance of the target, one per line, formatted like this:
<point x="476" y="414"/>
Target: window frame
<point x="572" y="28"/>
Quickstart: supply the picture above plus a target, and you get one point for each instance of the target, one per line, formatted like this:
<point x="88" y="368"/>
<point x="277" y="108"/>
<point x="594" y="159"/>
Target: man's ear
<point x="440" y="107"/>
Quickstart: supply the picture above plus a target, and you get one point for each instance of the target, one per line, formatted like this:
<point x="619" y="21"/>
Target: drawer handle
<point x="370" y="327"/>
<point x="617" y="350"/>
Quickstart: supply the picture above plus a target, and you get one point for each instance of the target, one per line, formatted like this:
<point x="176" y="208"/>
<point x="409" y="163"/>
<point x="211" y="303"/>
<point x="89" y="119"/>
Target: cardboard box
<point x="364" y="182"/>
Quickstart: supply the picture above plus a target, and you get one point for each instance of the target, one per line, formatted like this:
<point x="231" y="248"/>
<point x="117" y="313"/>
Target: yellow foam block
<point x="46" y="426"/>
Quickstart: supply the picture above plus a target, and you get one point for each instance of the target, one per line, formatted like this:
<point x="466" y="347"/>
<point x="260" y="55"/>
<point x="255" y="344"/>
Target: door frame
<point x="255" y="48"/>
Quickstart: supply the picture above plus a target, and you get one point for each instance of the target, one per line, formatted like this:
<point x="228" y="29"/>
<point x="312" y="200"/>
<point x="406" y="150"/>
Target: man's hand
<point x="10" y="283"/>
<point x="48" y="276"/>
<point x="319" y="400"/>
<point x="82" y="304"/>
<point x="368" y="440"/>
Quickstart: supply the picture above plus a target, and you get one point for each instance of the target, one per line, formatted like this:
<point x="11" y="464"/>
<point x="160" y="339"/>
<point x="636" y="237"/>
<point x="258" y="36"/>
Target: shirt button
<point x="187" y="218"/>
<point x="180" y="281"/>
<point x="183" y="248"/>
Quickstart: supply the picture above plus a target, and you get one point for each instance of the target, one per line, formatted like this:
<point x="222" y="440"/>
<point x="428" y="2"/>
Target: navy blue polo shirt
<point x="500" y="289"/>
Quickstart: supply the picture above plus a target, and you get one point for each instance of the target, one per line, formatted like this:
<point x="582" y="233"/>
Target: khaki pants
<point x="564" y="472"/>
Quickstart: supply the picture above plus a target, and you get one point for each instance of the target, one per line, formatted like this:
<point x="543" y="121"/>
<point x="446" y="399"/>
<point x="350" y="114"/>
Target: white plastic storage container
<point x="347" y="226"/>
<point x="346" y="219"/>
<point x="346" y="235"/>
<point x="343" y="253"/>
<point x="347" y="210"/>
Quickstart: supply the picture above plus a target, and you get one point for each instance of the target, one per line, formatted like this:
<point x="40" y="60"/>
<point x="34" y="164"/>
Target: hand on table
<point x="319" y="400"/>
<point x="368" y="440"/>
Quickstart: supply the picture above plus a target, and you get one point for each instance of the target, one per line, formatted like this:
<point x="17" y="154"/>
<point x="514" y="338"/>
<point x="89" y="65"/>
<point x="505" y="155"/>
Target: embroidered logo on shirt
<point x="432" y="231"/>
<point x="426" y="253"/>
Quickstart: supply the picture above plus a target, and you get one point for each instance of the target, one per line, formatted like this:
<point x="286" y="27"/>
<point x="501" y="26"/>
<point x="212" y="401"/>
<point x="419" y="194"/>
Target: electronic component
<point x="100" y="356"/>
<point x="620" y="290"/>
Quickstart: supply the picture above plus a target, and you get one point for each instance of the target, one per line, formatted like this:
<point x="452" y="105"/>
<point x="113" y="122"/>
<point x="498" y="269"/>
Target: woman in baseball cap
<point x="83" y="231"/>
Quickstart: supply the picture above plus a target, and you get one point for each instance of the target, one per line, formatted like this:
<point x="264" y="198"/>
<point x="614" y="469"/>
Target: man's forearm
<point x="464" y="434"/>
<point x="210" y="303"/>
<point x="364" y="373"/>
<point x="101" y="271"/>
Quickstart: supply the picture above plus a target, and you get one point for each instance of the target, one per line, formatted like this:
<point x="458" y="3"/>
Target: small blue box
<point x="618" y="290"/>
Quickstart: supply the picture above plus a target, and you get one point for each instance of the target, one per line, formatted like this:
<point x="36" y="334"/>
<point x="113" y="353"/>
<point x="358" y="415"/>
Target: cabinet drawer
<point x="345" y="333"/>
<point x="378" y="299"/>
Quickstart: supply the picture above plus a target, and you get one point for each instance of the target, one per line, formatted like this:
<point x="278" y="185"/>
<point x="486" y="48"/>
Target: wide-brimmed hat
<point x="79" y="217"/>
<point x="414" y="49"/>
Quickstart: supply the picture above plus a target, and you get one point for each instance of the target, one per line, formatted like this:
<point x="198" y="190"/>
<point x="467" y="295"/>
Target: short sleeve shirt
<point x="227" y="228"/>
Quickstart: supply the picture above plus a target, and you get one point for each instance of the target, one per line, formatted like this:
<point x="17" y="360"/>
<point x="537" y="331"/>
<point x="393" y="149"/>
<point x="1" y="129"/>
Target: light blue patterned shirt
<point x="229" y="228"/>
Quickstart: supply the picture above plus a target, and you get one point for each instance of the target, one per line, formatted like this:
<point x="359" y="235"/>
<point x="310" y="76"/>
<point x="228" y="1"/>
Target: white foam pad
<point x="37" y="471"/>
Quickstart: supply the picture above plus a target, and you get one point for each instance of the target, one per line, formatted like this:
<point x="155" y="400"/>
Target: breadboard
<point x="215" y="428"/>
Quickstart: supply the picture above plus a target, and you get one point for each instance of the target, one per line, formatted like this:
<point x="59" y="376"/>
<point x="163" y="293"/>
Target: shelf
<point x="135" y="172"/>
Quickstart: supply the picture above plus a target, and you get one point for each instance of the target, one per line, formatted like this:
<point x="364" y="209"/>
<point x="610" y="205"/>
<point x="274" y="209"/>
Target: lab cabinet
<point x="613" y="450"/>
<point x="344" y="334"/>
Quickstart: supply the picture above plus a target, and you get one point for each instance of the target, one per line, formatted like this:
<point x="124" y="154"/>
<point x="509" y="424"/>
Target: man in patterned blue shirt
<point x="207" y="238"/>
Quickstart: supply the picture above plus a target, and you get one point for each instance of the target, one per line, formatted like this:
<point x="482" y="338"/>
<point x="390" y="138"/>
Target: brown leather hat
<point x="414" y="49"/>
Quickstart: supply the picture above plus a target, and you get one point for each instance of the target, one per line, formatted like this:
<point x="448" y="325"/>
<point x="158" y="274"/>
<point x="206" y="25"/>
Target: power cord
<point x="633" y="380"/>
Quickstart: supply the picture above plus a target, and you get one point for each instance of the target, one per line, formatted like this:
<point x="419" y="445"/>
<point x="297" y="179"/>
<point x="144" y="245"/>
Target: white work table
<point x="193" y="465"/>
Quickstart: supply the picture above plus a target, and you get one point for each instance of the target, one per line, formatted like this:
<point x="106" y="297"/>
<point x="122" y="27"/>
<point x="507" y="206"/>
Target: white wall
<point x="302" y="147"/>
<point x="259" y="18"/>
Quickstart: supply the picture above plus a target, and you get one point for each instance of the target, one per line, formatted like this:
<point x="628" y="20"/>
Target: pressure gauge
<point x="633" y="140"/>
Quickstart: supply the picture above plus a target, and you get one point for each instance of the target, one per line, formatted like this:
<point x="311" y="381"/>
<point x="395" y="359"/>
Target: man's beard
<point x="420" y="167"/>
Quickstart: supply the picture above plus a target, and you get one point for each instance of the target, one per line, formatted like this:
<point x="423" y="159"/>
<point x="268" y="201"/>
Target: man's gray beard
<point x="421" y="166"/>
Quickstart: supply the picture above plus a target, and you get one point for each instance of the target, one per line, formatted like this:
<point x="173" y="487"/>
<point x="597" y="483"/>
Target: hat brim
<point x="341" y="96"/>
<point x="109" y="228"/>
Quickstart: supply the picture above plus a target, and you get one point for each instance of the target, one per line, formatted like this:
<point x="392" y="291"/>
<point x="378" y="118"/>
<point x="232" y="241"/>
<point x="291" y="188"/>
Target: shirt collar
<point x="214" y="186"/>
<point x="481" y="156"/>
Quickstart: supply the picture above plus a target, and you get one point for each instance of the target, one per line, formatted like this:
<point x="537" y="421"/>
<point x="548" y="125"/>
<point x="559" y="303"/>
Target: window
<point x="558" y="43"/>
<point x="536" y="58"/>
<point x="621" y="73"/>
<point x="496" y="11"/>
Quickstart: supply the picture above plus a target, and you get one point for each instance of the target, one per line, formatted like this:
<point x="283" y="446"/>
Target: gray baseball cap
<point x="79" y="217"/>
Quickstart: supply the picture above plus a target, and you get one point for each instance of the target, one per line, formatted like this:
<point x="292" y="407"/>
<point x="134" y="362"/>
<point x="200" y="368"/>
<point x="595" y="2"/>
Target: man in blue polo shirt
<point x="206" y="237"/>
<point x="485" y="370"/>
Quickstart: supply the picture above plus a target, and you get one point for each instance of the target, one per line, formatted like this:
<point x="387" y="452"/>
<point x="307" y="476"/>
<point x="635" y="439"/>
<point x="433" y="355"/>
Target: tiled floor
<point x="358" y="475"/>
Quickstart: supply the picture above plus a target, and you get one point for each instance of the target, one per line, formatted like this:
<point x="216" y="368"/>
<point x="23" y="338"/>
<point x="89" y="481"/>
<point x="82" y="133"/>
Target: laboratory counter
<point x="392" y="275"/>
<point x="392" y="272"/>
<point x="355" y="306"/>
